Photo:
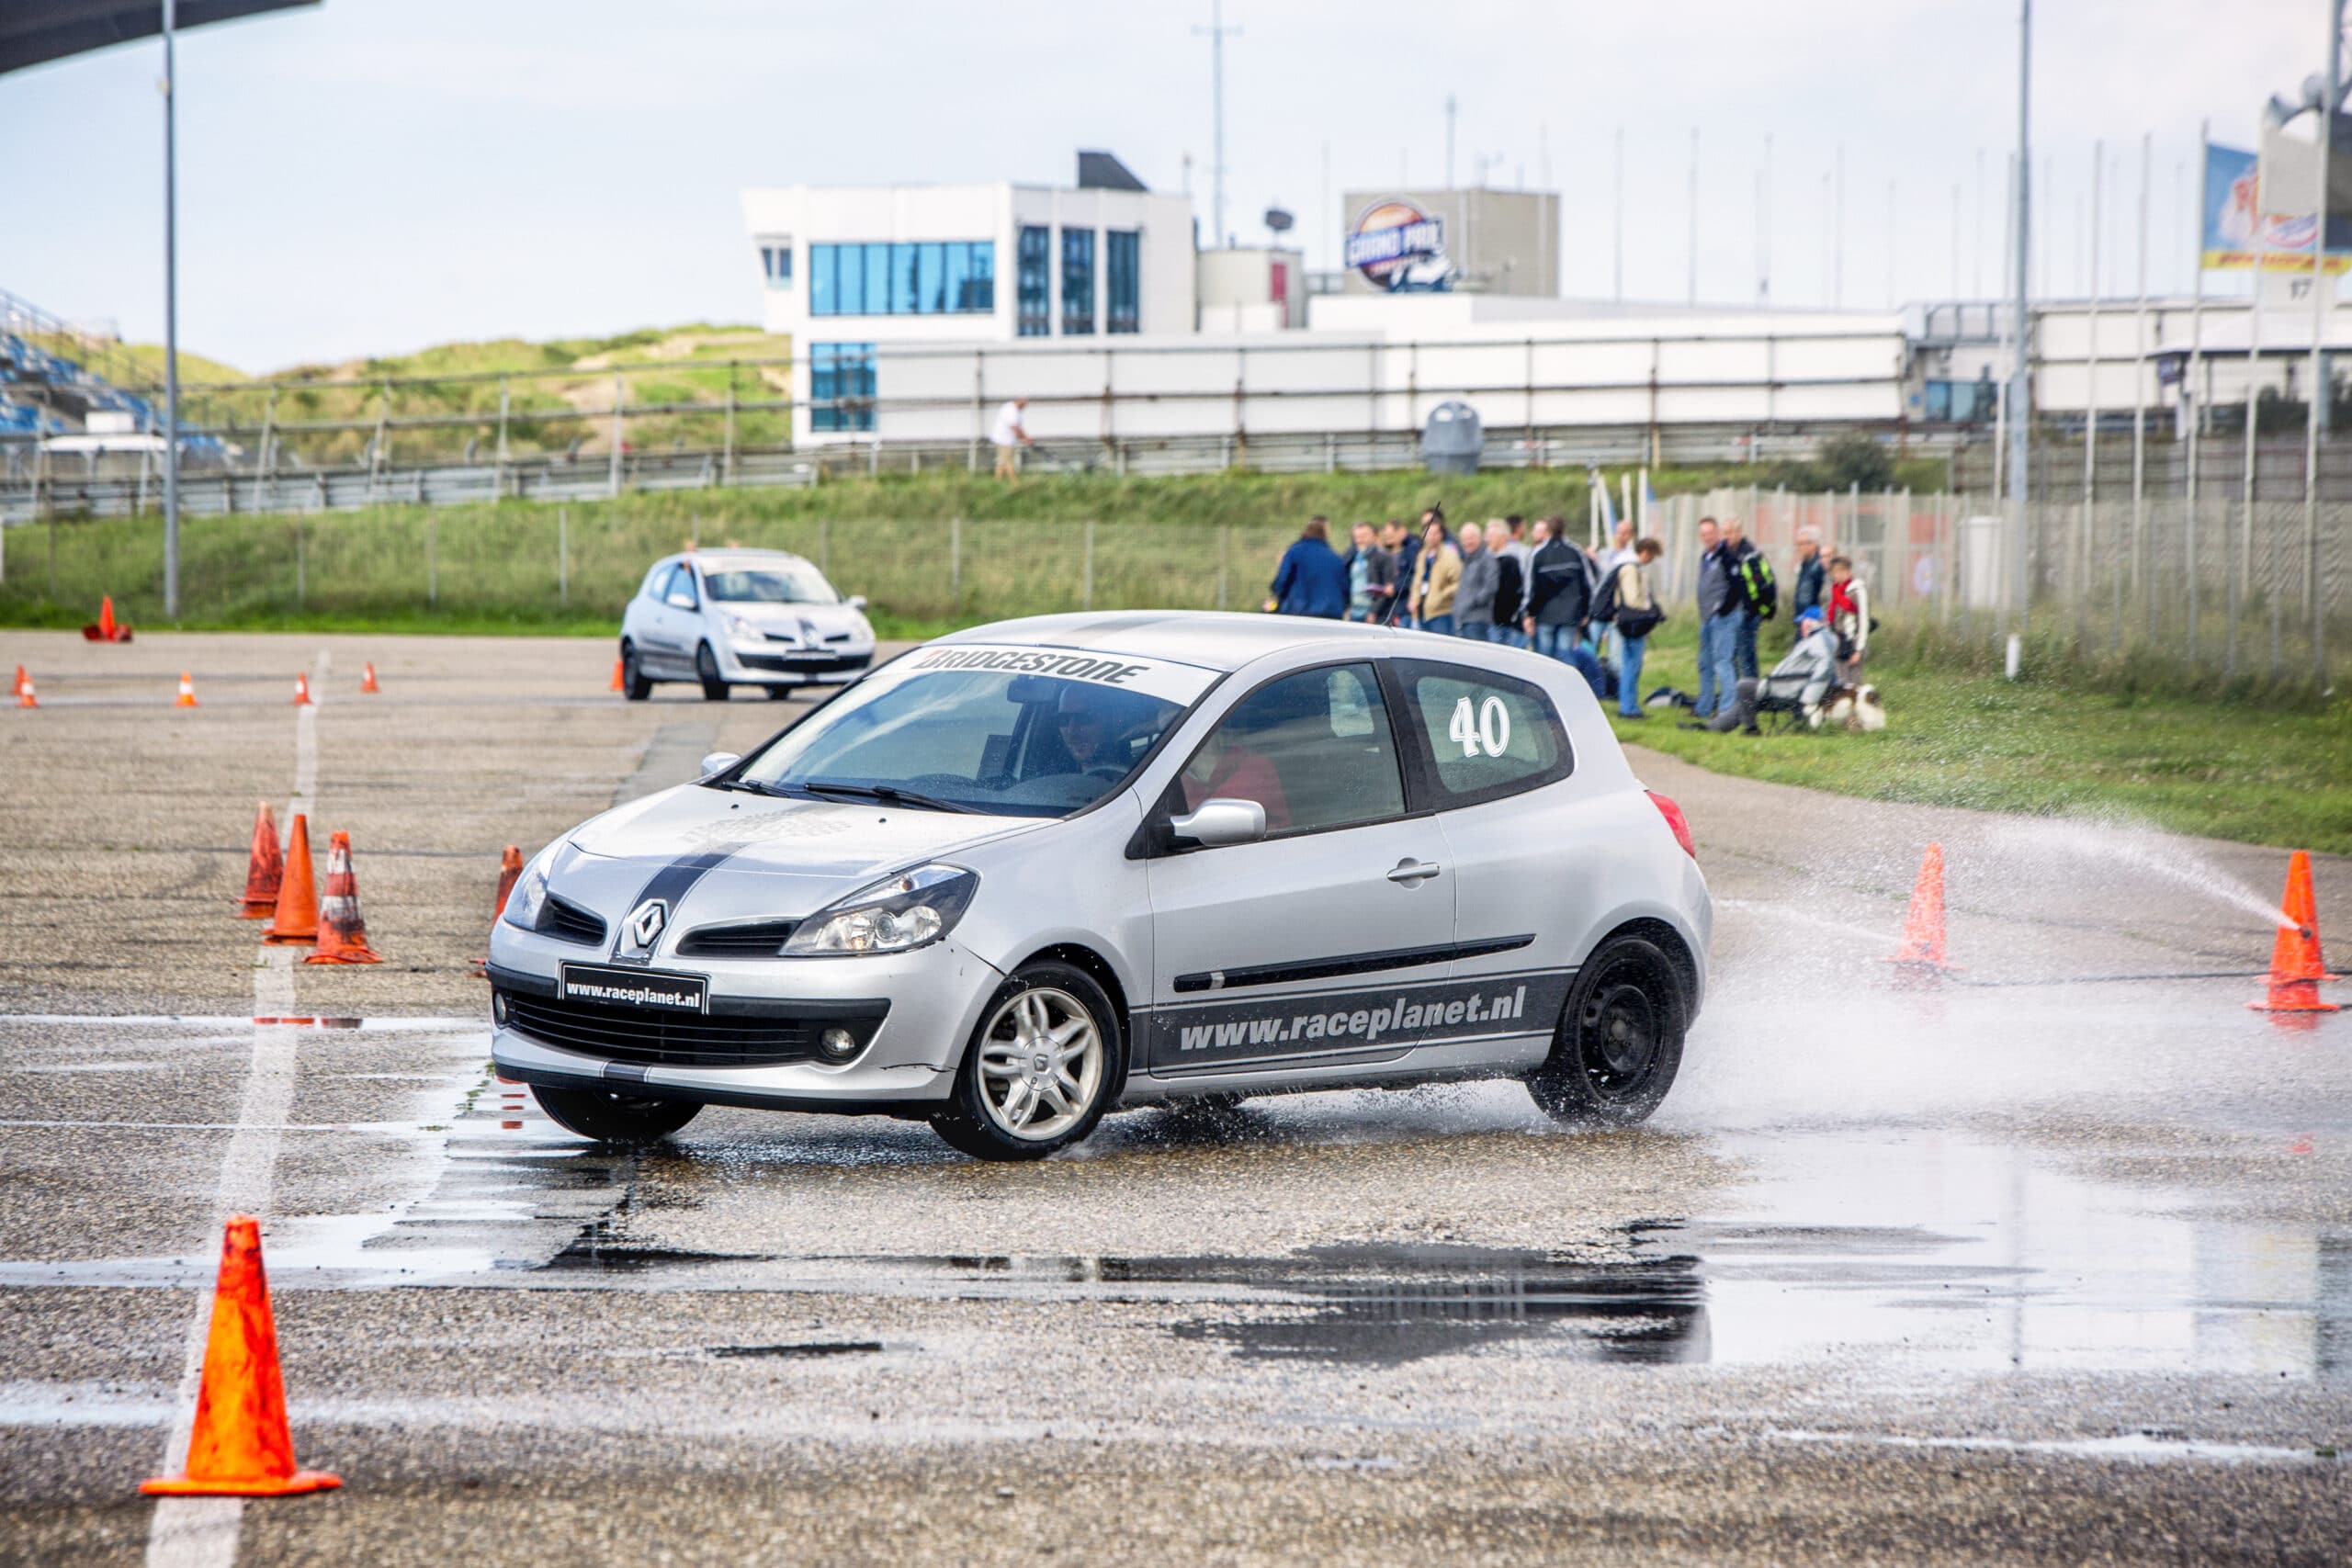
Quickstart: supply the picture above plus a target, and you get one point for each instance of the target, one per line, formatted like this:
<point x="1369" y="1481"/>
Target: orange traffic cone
<point x="105" y="629"/>
<point x="343" y="935"/>
<point x="368" y="686"/>
<point x="1923" y="928"/>
<point x="241" y="1446"/>
<point x="618" y="684"/>
<point x="264" y="868"/>
<point x="297" y="924"/>
<point x="510" y="872"/>
<point x="2296" y="967"/>
<point x="302" y="690"/>
<point x="188" y="691"/>
<point x="25" y="698"/>
<point x="18" y="689"/>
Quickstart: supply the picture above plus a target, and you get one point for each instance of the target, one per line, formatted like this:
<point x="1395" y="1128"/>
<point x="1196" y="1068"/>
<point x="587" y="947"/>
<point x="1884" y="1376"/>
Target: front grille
<point x="753" y="939"/>
<point x="632" y="1035"/>
<point x="567" y="921"/>
<point x="805" y="663"/>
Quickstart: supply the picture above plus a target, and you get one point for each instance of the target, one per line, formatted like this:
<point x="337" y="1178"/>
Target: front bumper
<point x="777" y="664"/>
<point x="930" y="1001"/>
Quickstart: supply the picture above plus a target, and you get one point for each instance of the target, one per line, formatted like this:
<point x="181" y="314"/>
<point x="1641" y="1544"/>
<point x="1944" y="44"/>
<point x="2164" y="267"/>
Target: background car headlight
<point x="744" y="629"/>
<point x="529" y="899"/>
<point x="891" y="916"/>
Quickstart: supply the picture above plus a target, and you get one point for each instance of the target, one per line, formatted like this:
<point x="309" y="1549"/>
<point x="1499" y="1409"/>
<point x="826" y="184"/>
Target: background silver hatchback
<point x="1038" y="871"/>
<point x="728" y="618"/>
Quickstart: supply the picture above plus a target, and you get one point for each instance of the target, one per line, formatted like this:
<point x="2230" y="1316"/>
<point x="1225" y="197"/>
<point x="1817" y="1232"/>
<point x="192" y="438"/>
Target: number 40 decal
<point x="1491" y="727"/>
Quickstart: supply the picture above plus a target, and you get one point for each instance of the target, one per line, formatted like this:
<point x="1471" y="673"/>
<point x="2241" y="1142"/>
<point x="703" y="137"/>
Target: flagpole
<point x="2192" y="386"/>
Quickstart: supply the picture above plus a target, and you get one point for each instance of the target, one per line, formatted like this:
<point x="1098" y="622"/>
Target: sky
<point x="378" y="176"/>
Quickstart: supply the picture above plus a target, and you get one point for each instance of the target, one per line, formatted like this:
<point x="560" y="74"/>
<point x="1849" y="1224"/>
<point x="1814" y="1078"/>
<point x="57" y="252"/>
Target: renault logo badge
<point x="645" y="924"/>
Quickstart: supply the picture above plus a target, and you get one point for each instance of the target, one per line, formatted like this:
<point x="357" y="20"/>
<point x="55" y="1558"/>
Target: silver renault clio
<point x="1046" y="869"/>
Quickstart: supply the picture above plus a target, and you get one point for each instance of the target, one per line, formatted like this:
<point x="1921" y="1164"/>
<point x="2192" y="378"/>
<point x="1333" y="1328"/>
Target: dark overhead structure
<point x="33" y="32"/>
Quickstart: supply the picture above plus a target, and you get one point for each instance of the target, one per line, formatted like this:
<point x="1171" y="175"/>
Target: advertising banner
<point x="2237" y="233"/>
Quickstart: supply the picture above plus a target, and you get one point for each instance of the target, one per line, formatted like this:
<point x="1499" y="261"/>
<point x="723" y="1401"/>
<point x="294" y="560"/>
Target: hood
<point x="784" y="857"/>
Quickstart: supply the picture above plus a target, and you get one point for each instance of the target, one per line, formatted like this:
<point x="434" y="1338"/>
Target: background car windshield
<point x="1015" y="745"/>
<point x="768" y="585"/>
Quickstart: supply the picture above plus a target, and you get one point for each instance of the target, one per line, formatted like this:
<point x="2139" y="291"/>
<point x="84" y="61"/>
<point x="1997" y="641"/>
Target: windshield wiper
<point x="889" y="795"/>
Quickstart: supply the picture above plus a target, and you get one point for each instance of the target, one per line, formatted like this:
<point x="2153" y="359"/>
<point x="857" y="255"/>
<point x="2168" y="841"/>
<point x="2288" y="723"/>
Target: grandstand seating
<point x="44" y="394"/>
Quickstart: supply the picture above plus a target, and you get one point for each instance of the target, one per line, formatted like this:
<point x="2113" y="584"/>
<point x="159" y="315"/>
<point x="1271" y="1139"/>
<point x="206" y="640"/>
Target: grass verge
<point x="2257" y="773"/>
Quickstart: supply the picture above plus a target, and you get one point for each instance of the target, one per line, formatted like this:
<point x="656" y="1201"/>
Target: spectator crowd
<point x="1530" y="585"/>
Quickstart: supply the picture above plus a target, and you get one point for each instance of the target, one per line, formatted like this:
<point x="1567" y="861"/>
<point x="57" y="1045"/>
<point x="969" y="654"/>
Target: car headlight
<point x="744" y="629"/>
<point x="529" y="899"/>
<point x="890" y="916"/>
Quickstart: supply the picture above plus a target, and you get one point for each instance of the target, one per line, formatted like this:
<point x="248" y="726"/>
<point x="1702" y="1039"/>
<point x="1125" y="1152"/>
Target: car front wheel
<point x="1040" y="1069"/>
<point x="1619" y="1039"/>
<point x="706" y="671"/>
<point x="614" y="1118"/>
<point x="635" y="684"/>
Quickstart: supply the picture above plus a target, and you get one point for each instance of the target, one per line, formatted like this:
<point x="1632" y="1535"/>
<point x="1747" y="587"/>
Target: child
<point x="1849" y="617"/>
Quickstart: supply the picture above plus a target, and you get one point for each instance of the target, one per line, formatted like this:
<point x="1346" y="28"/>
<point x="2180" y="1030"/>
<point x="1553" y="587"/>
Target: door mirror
<point x="1218" y="823"/>
<point x="719" y="761"/>
<point x="680" y="601"/>
<point x="857" y="603"/>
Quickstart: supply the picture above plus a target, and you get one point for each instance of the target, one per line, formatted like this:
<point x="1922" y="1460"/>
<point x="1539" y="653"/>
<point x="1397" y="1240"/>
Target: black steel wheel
<point x="1619" y="1043"/>
<point x="614" y="1118"/>
<point x="707" y="671"/>
<point x="636" y="686"/>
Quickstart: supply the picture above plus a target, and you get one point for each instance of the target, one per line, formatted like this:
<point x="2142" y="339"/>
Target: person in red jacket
<point x="1223" y="771"/>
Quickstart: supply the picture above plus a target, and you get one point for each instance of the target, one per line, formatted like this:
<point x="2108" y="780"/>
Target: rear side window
<point x="1487" y="736"/>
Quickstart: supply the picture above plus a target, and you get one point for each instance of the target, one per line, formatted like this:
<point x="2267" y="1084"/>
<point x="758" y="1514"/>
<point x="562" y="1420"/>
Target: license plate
<point x="652" y="989"/>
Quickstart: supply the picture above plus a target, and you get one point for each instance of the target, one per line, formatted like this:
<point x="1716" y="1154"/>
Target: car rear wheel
<point x="614" y="1118"/>
<point x="1619" y="1039"/>
<point x="1040" y="1069"/>
<point x="636" y="686"/>
<point x="706" y="671"/>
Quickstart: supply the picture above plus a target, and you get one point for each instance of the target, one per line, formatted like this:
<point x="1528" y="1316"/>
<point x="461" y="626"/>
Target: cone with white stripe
<point x="343" y="934"/>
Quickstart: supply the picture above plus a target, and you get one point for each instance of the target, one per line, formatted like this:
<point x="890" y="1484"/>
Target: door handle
<point x="1410" y="872"/>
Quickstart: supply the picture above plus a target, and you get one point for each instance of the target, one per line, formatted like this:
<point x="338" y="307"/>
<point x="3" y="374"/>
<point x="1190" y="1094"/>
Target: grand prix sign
<point x="1389" y="237"/>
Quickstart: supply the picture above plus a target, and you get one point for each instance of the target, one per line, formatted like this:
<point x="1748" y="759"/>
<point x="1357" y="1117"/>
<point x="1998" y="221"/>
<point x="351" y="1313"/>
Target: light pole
<point x="2021" y="384"/>
<point x="171" y="334"/>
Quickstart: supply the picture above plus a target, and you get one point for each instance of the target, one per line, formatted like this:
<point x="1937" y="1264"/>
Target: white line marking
<point x="203" y="1532"/>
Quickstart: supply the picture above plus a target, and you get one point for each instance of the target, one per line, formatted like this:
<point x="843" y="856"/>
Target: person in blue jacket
<point x="1312" y="580"/>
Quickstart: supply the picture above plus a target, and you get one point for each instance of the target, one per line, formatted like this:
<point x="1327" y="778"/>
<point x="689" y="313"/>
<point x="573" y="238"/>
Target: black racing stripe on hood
<point x="670" y="884"/>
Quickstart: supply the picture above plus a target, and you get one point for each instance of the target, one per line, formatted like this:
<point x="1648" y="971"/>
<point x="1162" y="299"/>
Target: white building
<point x="852" y="271"/>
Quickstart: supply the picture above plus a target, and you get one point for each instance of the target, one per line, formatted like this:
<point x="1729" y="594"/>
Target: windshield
<point x="796" y="585"/>
<point x="1005" y="737"/>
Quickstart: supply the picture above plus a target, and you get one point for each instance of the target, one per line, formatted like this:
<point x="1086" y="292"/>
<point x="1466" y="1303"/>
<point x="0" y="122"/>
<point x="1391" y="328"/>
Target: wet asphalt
<point x="2051" y="1261"/>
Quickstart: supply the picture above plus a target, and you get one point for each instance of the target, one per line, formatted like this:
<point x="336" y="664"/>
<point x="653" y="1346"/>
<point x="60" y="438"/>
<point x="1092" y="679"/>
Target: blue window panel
<point x="903" y="280"/>
<point x="849" y="282"/>
<point x="840" y="386"/>
<point x="820" y="280"/>
<point x="775" y="266"/>
<point x="1032" y="284"/>
<point x="930" y="285"/>
<point x="980" y="293"/>
<point x="1123" y="280"/>
<point x="1078" y="282"/>
<point x="877" y="279"/>
<point x="957" y="283"/>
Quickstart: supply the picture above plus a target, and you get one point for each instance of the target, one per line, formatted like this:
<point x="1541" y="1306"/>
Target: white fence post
<point x="563" y="555"/>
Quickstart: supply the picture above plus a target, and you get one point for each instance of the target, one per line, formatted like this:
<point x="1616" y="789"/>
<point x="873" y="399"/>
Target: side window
<point x="682" y="581"/>
<point x="1488" y="736"/>
<point x="657" y="581"/>
<point x="1313" y="748"/>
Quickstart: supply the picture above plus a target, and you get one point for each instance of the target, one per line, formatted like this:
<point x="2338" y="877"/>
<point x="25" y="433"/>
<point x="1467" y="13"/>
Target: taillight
<point x="1675" y="820"/>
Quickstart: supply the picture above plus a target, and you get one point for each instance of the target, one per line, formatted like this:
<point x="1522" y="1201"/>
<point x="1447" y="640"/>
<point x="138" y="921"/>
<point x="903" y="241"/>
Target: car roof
<point x="1210" y="639"/>
<point x="722" y="561"/>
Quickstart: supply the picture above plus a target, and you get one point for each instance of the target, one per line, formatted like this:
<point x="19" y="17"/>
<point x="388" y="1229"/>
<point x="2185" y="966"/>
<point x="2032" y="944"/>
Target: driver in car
<point x="1223" y="769"/>
<point x="1096" y="727"/>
